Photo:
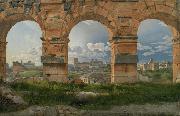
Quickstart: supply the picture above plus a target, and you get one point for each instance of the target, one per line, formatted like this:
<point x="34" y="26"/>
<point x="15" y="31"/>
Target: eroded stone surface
<point x="57" y="17"/>
<point x="8" y="98"/>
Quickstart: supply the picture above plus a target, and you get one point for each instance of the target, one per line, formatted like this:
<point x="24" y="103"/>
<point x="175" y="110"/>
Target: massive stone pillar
<point x="2" y="59"/>
<point x="176" y="49"/>
<point x="124" y="59"/>
<point x="176" y="60"/>
<point x="55" y="59"/>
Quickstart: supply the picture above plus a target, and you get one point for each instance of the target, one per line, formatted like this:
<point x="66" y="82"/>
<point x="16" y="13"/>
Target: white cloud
<point x="33" y="55"/>
<point x="96" y="46"/>
<point x="93" y="51"/>
<point x="77" y="49"/>
<point x="89" y="22"/>
<point x="148" y="53"/>
<point x="143" y="47"/>
<point x="161" y="48"/>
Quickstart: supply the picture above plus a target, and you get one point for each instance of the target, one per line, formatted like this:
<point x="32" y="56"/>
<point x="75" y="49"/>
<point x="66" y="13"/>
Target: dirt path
<point x="165" y="109"/>
<point x="140" y="110"/>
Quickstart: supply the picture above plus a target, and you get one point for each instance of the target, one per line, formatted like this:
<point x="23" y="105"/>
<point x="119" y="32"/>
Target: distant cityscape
<point x="92" y="72"/>
<point x="152" y="65"/>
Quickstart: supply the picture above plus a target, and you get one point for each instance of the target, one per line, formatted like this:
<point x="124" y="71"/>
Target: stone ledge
<point x="125" y="37"/>
<point x="53" y="59"/>
<point x="123" y="59"/>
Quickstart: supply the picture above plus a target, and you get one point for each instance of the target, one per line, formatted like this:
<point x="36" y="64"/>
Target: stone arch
<point x="6" y="24"/>
<point x="164" y="17"/>
<point x="96" y="17"/>
<point x="57" y="17"/>
<point x="170" y="16"/>
<point x="166" y="11"/>
<point x="110" y="25"/>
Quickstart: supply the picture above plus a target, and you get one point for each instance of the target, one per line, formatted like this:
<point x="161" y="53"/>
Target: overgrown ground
<point x="51" y="93"/>
<point x="159" y="76"/>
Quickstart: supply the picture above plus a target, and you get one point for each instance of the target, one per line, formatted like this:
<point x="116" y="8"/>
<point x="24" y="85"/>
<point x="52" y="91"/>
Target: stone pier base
<point x="55" y="72"/>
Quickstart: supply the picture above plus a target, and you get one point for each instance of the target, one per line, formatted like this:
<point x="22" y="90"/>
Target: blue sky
<point x="155" y="41"/>
<point x="88" y="40"/>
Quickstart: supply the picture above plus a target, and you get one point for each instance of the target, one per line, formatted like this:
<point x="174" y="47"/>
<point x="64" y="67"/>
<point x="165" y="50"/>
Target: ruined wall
<point x="176" y="48"/>
<point x="124" y="59"/>
<point x="11" y="12"/>
<point x="57" y="17"/>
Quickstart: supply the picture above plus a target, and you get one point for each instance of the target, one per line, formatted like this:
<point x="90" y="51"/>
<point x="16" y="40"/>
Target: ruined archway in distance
<point x="24" y="51"/>
<point x="89" y="53"/>
<point x="155" y="51"/>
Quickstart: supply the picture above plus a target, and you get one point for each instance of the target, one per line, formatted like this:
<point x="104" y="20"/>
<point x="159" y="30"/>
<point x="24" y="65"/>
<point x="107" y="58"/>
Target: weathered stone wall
<point x="57" y="17"/>
<point x="176" y="47"/>
<point x="124" y="59"/>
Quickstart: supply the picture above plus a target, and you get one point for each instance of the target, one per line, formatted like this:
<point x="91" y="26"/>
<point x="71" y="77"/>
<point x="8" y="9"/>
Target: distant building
<point x="152" y="65"/>
<point x="141" y="67"/>
<point x="79" y="65"/>
<point x="29" y="64"/>
<point x="92" y="72"/>
<point x="17" y="67"/>
<point x="84" y="80"/>
<point x="94" y="64"/>
<point x="21" y="67"/>
<point x="165" y="65"/>
<point x="76" y="61"/>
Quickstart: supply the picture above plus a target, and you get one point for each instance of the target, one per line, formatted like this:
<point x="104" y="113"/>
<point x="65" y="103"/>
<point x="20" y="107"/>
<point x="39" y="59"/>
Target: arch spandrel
<point x="8" y="22"/>
<point x="109" y="24"/>
<point x="164" y="10"/>
<point x="166" y="18"/>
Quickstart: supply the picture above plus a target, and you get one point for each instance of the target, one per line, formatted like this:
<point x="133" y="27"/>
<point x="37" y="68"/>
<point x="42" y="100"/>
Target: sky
<point x="24" y="43"/>
<point x="154" y="41"/>
<point x="88" y="40"/>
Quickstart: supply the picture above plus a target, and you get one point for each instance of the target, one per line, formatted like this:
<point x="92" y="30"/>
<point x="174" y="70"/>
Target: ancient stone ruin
<point x="121" y="17"/>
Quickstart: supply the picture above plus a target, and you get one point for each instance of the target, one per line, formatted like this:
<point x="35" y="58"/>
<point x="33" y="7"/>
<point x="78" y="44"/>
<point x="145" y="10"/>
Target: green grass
<point x="51" y="93"/>
<point x="159" y="76"/>
<point x="32" y="73"/>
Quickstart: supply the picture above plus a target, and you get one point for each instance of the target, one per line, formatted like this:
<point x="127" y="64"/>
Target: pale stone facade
<point x="121" y="17"/>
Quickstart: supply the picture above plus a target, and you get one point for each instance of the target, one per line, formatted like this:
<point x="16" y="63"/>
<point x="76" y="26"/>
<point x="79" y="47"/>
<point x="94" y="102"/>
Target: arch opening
<point x="89" y="53"/>
<point x="23" y="50"/>
<point x="155" y="51"/>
